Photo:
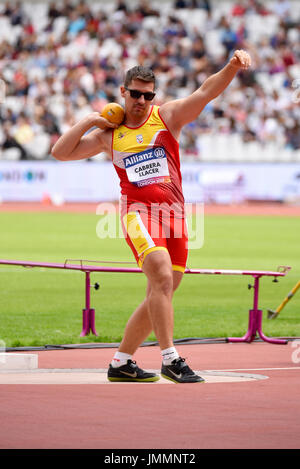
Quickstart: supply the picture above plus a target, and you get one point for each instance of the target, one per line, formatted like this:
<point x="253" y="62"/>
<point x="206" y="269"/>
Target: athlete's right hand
<point x="99" y="121"/>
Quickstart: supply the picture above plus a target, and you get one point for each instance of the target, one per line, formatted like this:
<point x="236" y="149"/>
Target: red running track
<point x="258" y="414"/>
<point x="263" y="414"/>
<point x="251" y="208"/>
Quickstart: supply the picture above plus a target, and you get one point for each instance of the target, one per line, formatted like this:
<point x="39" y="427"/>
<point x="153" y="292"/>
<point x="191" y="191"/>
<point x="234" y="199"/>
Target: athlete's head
<point x="138" y="90"/>
<point x="139" y="73"/>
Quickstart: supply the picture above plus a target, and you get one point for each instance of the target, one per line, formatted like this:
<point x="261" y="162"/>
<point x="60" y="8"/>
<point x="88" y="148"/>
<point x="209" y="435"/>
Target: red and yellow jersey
<point x="146" y="159"/>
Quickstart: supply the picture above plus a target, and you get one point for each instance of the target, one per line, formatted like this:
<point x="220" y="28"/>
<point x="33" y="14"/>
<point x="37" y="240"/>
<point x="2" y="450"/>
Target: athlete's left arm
<point x="180" y="112"/>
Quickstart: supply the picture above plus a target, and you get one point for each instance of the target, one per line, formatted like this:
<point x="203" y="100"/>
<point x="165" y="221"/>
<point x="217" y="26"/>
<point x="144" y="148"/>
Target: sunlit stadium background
<point x="61" y="60"/>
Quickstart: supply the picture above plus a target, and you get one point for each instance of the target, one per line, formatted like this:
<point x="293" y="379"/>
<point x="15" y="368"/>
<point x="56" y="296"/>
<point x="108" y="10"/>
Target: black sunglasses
<point x="136" y="94"/>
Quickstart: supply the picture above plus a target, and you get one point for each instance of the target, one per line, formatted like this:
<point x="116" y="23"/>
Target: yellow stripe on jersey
<point x="178" y="268"/>
<point x="127" y="140"/>
<point x="148" y="251"/>
<point x="139" y="236"/>
<point x="137" y="232"/>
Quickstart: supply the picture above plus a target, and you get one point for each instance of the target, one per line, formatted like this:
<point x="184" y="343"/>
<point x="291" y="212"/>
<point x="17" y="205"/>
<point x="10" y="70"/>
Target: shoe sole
<point x="181" y="382"/>
<point x="133" y="380"/>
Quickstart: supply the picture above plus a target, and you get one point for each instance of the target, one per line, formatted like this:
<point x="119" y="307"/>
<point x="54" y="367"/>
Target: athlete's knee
<point x="177" y="277"/>
<point x="163" y="281"/>
<point x="158" y="269"/>
<point x="162" y="278"/>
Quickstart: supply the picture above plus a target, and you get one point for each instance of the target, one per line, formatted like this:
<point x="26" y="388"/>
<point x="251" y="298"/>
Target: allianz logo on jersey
<point x="153" y="153"/>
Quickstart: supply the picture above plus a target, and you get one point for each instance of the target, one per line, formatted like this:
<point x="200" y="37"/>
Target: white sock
<point x="168" y="355"/>
<point x="120" y="359"/>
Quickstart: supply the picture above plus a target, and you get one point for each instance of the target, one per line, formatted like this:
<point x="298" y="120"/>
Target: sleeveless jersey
<point x="146" y="159"/>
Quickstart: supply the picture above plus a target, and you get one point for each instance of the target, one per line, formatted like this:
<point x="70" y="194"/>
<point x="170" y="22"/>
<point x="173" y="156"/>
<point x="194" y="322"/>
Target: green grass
<point x="44" y="306"/>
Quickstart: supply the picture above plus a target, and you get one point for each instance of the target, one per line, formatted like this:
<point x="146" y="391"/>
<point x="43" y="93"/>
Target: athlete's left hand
<point x="241" y="60"/>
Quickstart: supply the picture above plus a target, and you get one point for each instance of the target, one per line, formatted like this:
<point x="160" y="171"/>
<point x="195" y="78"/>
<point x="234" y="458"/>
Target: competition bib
<point x="147" y="167"/>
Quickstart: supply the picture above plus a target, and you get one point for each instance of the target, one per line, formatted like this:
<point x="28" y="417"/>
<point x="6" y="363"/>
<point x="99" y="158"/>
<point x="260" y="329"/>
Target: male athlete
<point x="145" y="154"/>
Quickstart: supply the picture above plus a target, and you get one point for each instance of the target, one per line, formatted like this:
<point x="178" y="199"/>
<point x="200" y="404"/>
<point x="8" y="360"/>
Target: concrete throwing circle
<point x="99" y="376"/>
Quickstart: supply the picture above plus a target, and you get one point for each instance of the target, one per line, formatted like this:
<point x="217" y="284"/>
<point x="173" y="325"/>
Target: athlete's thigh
<point x="177" y="244"/>
<point x="157" y="266"/>
<point x="143" y="234"/>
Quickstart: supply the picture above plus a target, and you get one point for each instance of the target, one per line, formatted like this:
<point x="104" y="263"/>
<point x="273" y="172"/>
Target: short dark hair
<point x="139" y="73"/>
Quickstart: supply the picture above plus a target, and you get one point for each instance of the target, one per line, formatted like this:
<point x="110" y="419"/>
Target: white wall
<point x="97" y="182"/>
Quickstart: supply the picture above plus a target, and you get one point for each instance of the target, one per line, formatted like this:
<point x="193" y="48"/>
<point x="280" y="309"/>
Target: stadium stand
<point x="62" y="60"/>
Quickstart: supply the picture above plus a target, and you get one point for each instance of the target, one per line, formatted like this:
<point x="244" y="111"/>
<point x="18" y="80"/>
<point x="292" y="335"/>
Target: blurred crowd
<point x="61" y="60"/>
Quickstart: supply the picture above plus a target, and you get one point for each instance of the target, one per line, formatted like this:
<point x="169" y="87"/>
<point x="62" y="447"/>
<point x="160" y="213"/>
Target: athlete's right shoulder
<point x="103" y="135"/>
<point x="104" y="138"/>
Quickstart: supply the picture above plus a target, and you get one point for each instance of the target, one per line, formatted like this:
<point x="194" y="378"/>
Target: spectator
<point x="282" y="8"/>
<point x="16" y="15"/>
<point x="23" y="130"/>
<point x="293" y="136"/>
<point x="9" y="141"/>
<point x="76" y="62"/>
<point x="228" y="37"/>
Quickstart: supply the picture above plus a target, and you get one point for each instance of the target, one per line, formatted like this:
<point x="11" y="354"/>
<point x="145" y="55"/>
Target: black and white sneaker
<point x="180" y="372"/>
<point x="130" y="373"/>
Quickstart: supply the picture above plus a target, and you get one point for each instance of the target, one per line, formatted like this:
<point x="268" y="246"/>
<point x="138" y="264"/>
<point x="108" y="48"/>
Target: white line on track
<point x="98" y="376"/>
